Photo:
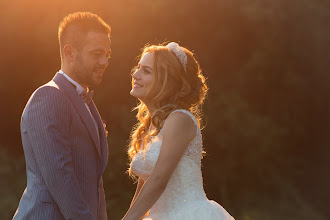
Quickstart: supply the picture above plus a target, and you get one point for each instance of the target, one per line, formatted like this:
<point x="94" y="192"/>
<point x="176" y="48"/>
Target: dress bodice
<point x="185" y="186"/>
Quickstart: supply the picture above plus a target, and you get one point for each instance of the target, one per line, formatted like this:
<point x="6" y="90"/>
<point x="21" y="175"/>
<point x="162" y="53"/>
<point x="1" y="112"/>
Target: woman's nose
<point x="136" y="75"/>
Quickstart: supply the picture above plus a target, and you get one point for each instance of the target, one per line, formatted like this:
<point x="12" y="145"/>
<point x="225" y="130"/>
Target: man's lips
<point x="99" y="72"/>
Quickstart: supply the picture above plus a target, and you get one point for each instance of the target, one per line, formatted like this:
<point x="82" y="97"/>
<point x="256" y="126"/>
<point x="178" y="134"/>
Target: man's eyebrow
<point x="96" y="50"/>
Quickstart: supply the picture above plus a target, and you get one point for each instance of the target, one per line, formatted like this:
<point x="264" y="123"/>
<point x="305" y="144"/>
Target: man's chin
<point x="95" y="84"/>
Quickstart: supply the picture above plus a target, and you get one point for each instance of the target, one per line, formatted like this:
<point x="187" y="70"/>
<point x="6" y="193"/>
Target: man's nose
<point x="104" y="61"/>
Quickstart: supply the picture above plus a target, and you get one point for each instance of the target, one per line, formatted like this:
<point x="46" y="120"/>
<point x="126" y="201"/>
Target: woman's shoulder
<point x="182" y="116"/>
<point x="181" y="122"/>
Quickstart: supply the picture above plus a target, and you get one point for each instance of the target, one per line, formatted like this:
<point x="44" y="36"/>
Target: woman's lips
<point x="137" y="85"/>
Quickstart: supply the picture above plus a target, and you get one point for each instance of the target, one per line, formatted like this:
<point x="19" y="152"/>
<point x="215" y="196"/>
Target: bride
<point x="166" y="143"/>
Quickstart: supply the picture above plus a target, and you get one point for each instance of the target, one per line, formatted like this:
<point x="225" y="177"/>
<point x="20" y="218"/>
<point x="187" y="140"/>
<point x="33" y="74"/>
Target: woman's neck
<point x="151" y="109"/>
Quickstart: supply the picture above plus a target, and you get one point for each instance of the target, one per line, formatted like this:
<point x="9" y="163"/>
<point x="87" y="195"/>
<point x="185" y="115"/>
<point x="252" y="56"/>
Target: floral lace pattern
<point x="184" y="196"/>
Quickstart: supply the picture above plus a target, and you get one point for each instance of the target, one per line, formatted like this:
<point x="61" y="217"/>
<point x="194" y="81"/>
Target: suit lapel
<point x="80" y="106"/>
<point x="103" y="138"/>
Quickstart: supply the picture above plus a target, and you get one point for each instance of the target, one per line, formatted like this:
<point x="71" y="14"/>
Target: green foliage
<point x="13" y="181"/>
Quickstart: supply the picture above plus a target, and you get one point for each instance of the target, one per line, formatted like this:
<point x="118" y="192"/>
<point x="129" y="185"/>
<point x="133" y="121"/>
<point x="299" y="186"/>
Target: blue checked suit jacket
<point x="64" y="157"/>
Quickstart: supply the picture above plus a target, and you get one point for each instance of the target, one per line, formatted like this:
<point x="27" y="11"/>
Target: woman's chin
<point x="138" y="96"/>
<point x="134" y="93"/>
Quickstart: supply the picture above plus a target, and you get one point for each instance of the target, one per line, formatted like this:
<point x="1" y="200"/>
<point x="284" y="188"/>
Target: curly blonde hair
<point x="171" y="88"/>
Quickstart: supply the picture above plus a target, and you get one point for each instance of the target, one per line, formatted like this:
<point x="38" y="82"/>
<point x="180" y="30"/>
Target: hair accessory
<point x="179" y="53"/>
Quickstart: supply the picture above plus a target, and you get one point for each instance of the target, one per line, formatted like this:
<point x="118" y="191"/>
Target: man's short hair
<point x="74" y="27"/>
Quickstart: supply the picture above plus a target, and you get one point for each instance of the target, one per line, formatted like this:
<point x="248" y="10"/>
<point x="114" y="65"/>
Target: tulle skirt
<point x="196" y="210"/>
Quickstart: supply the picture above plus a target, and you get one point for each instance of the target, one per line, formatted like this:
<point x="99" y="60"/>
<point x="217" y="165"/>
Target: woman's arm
<point x="137" y="191"/>
<point x="179" y="130"/>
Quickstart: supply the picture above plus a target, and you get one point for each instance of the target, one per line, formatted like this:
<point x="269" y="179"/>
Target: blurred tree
<point x="267" y="115"/>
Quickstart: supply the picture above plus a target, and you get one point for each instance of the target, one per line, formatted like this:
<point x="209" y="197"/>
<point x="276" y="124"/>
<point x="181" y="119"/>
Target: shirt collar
<point x="79" y="88"/>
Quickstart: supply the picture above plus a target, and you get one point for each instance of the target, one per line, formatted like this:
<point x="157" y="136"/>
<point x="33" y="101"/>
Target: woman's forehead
<point x="147" y="59"/>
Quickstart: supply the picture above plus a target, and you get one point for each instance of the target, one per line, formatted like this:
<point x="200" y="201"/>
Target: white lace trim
<point x="179" y="53"/>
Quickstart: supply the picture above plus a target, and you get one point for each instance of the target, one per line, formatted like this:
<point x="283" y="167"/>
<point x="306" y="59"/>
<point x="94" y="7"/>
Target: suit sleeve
<point x="48" y="125"/>
<point x="102" y="210"/>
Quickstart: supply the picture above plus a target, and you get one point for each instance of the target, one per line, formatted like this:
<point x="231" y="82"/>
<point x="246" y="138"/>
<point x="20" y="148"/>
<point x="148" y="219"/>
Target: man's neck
<point x="69" y="73"/>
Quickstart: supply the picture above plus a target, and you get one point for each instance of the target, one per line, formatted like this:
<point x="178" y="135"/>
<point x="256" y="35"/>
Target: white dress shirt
<point x="79" y="90"/>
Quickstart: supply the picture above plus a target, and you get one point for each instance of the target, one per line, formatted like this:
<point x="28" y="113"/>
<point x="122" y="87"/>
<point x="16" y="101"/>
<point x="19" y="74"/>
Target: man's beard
<point x="83" y="74"/>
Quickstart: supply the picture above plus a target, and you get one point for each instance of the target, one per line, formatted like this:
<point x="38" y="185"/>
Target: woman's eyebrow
<point x="145" y="67"/>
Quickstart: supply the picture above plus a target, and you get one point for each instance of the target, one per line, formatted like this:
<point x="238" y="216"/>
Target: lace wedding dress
<point x="184" y="197"/>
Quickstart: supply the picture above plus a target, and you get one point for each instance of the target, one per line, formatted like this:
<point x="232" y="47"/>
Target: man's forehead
<point x="98" y="35"/>
<point x="98" y="40"/>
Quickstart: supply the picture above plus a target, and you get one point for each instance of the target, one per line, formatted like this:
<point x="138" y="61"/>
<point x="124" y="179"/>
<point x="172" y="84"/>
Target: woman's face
<point x="142" y="78"/>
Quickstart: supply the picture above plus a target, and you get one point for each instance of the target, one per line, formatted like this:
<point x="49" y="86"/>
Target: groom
<point x="63" y="136"/>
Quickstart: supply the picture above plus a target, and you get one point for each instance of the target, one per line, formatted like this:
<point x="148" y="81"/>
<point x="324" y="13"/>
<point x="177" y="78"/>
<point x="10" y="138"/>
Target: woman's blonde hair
<point x="171" y="88"/>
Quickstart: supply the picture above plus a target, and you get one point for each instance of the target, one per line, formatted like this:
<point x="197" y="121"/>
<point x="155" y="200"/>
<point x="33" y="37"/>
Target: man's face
<point x="92" y="59"/>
